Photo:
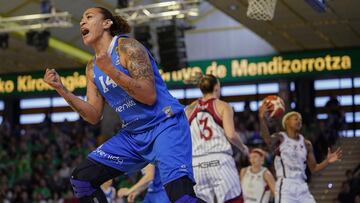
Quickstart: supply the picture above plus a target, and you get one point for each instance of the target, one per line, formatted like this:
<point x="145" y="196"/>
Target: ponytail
<point x="119" y="26"/>
<point x="194" y="79"/>
<point x="206" y="83"/>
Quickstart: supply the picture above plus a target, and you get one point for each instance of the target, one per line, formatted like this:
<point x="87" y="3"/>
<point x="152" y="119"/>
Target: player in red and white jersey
<point x="293" y="153"/>
<point x="256" y="180"/>
<point x="212" y="131"/>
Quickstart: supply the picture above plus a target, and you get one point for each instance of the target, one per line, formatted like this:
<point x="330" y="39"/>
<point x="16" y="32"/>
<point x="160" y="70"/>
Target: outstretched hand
<point x="334" y="156"/>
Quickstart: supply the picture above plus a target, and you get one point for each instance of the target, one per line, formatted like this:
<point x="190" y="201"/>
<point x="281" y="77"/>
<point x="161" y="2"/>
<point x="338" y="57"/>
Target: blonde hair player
<point x="293" y="152"/>
<point x="256" y="180"/>
<point x="212" y="131"/>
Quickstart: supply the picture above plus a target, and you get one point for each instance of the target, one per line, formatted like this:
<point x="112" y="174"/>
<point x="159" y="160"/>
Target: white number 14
<point x="106" y="83"/>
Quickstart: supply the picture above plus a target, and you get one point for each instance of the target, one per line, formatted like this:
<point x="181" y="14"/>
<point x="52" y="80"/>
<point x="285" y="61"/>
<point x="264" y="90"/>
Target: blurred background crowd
<point x="36" y="160"/>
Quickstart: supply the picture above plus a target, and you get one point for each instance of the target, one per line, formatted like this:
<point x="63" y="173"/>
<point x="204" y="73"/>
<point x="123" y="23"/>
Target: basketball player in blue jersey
<point x="151" y="181"/>
<point x="154" y="126"/>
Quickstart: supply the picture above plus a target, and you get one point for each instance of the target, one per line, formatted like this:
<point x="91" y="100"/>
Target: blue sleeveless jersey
<point x="136" y="117"/>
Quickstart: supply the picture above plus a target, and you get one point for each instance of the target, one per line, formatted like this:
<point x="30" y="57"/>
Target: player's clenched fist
<point x="52" y="78"/>
<point x="103" y="61"/>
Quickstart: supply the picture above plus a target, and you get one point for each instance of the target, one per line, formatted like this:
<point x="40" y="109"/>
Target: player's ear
<point x="107" y="23"/>
<point x="217" y="86"/>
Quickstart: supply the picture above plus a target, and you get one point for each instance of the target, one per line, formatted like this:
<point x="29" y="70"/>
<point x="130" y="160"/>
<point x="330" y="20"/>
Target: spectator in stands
<point x="345" y="195"/>
<point x="335" y="121"/>
<point x="357" y="198"/>
<point x="30" y="162"/>
<point x="321" y="141"/>
<point x="248" y="117"/>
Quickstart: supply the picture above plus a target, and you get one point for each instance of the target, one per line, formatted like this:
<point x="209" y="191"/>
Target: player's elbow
<point x="232" y="137"/>
<point x="94" y="119"/>
<point x="313" y="169"/>
<point x="266" y="140"/>
<point x="151" y="177"/>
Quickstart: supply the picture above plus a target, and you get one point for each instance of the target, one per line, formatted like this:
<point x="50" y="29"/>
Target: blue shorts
<point x="167" y="145"/>
<point x="156" y="197"/>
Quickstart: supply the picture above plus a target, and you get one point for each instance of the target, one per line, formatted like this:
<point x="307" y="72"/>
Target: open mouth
<point x="84" y="31"/>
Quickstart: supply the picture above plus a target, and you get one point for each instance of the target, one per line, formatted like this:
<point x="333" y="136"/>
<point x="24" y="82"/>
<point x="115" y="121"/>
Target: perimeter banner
<point x="314" y="64"/>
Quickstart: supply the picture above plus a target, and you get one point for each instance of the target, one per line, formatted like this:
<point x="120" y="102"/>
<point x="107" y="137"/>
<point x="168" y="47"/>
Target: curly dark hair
<point x="119" y="26"/>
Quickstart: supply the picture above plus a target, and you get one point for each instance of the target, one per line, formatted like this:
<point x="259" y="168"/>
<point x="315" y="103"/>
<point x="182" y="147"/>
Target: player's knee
<point x="181" y="191"/>
<point x="81" y="188"/>
<point x="86" y="171"/>
<point x="81" y="183"/>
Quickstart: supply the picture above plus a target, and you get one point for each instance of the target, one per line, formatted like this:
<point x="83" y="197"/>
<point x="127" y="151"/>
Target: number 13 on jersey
<point x="205" y="132"/>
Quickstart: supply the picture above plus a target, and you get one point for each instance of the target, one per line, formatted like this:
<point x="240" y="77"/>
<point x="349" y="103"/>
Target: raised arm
<point x="228" y="124"/>
<point x="264" y="130"/>
<point x="90" y="110"/>
<point x="311" y="161"/>
<point x="140" y="84"/>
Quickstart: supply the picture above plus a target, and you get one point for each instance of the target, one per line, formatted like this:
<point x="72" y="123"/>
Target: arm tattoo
<point x="98" y="93"/>
<point x="65" y="90"/>
<point x="89" y="75"/>
<point x="89" y="70"/>
<point x="131" y="86"/>
<point x="138" y="62"/>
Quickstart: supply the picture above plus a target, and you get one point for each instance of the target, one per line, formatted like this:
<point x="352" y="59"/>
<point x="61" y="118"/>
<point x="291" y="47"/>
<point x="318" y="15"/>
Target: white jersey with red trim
<point x="207" y="132"/>
<point x="290" y="159"/>
<point x="254" y="187"/>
